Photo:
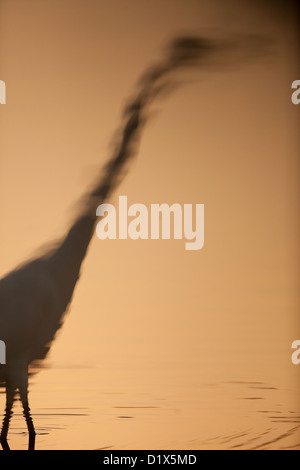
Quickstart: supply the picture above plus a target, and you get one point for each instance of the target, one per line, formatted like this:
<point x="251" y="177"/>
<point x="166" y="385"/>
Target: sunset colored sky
<point x="228" y="138"/>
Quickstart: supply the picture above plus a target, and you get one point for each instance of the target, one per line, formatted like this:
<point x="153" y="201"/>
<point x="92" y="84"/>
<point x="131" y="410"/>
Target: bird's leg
<point x="26" y="411"/>
<point x="10" y="395"/>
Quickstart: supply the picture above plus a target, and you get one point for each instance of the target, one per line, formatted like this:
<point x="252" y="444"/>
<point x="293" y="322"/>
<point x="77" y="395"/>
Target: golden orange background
<point x="163" y="348"/>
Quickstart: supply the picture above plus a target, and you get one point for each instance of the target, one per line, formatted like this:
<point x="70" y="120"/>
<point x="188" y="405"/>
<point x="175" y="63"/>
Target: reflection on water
<point x="134" y="409"/>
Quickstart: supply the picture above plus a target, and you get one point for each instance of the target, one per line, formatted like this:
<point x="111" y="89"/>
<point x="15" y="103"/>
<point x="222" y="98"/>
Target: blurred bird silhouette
<point x="35" y="296"/>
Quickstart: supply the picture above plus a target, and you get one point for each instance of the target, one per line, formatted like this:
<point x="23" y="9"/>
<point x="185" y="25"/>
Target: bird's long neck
<point x="65" y="261"/>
